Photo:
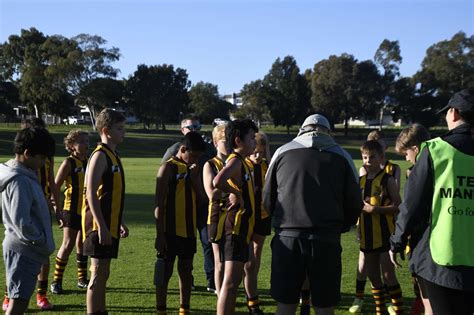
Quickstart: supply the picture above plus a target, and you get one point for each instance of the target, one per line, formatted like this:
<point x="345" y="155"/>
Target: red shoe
<point x="6" y="301"/>
<point x="417" y="307"/>
<point x="43" y="303"/>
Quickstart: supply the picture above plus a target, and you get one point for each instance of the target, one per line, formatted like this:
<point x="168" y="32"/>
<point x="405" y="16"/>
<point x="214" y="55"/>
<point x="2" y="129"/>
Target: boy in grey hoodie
<point x="28" y="238"/>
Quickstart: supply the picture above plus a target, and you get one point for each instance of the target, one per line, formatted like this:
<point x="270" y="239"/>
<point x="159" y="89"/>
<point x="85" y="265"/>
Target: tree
<point x="206" y="102"/>
<point x="158" y="94"/>
<point x="343" y="88"/>
<point x="103" y="92"/>
<point x="388" y="58"/>
<point x="41" y="66"/>
<point x="9" y="98"/>
<point x="288" y="96"/>
<point x="255" y="99"/>
<point x="92" y="61"/>
<point x="448" y="67"/>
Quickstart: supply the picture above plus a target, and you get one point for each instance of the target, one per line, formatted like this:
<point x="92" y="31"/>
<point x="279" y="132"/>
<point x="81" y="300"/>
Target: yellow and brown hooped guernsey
<point x="242" y="220"/>
<point x="111" y="193"/>
<point x="43" y="175"/>
<point x="180" y="203"/>
<point x="389" y="168"/>
<point x="259" y="172"/>
<point x="73" y="194"/>
<point x="376" y="228"/>
<point x="216" y="210"/>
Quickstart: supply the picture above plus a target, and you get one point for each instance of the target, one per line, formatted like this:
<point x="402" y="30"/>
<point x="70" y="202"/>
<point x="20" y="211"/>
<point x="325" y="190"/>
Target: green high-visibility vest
<point x="452" y="222"/>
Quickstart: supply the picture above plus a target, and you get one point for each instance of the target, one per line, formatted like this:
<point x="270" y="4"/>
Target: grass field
<point x="130" y="288"/>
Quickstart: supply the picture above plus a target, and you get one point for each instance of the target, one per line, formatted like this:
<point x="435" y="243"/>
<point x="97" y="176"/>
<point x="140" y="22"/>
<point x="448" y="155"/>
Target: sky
<point x="230" y="43"/>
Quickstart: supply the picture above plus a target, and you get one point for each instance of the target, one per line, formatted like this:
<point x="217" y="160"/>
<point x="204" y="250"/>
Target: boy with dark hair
<point x="236" y="180"/>
<point x="381" y="200"/>
<point x="28" y="236"/>
<point x="45" y="176"/>
<point x="177" y="183"/>
<point x="102" y="222"/>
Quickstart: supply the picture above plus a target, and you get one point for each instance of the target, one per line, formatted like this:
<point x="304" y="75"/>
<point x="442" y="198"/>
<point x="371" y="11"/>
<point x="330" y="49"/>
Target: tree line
<point x="55" y="74"/>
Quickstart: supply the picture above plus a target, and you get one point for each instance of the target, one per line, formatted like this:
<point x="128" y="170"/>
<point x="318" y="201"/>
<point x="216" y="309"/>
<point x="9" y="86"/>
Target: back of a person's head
<point x="36" y="141"/>
<point x="411" y="136"/>
<point x="34" y="122"/>
<point x="193" y="142"/>
<point x="218" y="133"/>
<point x="107" y="118"/>
<point x="376" y="135"/>
<point x="238" y="128"/>
<point x="189" y="117"/>
<point x="372" y="146"/>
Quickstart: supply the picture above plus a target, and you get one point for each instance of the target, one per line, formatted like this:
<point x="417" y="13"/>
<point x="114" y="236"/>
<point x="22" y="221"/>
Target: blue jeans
<point x="207" y="253"/>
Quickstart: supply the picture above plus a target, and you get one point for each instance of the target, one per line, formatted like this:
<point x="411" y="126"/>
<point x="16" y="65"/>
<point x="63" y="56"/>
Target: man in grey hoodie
<point x="28" y="238"/>
<point x="312" y="194"/>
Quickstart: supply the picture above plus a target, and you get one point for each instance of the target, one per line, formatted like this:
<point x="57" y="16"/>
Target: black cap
<point x="463" y="101"/>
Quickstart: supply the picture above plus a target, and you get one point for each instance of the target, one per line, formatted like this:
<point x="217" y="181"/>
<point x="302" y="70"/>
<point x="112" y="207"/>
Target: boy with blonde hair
<point x="381" y="200"/>
<point x="72" y="172"/>
<point x="217" y="200"/>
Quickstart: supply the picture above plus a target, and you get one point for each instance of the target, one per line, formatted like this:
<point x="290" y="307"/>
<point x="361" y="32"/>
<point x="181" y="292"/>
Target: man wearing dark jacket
<point x="438" y="215"/>
<point x="313" y="196"/>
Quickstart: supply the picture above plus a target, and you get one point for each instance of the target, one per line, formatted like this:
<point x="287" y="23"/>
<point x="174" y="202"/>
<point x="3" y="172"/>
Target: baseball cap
<point x="315" y="119"/>
<point x="463" y="100"/>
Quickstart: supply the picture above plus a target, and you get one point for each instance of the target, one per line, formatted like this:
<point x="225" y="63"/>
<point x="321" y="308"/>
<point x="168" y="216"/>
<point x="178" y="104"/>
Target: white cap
<point x="315" y="119"/>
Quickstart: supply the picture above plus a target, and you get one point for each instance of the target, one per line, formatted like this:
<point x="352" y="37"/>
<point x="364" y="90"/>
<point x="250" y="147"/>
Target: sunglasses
<point x="193" y="127"/>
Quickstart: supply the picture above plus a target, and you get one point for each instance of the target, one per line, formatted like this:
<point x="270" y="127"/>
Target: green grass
<point x="130" y="288"/>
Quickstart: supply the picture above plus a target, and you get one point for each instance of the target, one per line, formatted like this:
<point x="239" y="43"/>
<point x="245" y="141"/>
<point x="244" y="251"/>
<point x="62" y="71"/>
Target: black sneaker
<point x="82" y="283"/>
<point x="256" y="311"/>
<point x="305" y="309"/>
<point x="57" y="288"/>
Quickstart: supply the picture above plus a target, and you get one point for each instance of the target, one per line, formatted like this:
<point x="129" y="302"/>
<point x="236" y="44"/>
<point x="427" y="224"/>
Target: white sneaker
<point x="356" y="306"/>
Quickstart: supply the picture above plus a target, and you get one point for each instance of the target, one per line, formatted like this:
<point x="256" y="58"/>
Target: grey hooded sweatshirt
<point x="311" y="186"/>
<point x="25" y="213"/>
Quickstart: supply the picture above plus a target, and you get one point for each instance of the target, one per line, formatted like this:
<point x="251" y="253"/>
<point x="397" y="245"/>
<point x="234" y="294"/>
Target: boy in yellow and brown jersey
<point x="361" y="274"/>
<point x="236" y="180"/>
<point x="177" y="187"/>
<point x="102" y="223"/>
<point x="259" y="165"/>
<point x="381" y="200"/>
<point x="217" y="210"/>
<point x="72" y="172"/>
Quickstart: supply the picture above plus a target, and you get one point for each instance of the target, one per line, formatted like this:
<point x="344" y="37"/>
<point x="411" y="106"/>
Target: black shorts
<point x="92" y="248"/>
<point x="71" y="220"/>
<point x="263" y="227"/>
<point x="378" y="250"/>
<point x="295" y="258"/>
<point x="234" y="248"/>
<point x="181" y="247"/>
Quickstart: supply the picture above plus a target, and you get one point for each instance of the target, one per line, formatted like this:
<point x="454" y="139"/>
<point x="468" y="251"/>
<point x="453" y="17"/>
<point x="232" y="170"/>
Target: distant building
<point x="234" y="99"/>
